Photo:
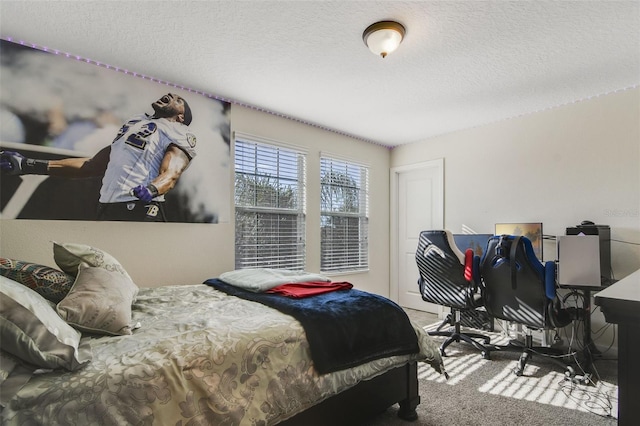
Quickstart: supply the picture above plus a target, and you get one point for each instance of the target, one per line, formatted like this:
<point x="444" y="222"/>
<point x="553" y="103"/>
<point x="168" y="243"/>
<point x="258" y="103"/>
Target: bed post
<point x="408" y="406"/>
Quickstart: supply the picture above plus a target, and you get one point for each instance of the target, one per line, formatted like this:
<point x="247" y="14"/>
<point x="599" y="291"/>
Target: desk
<point x="620" y="304"/>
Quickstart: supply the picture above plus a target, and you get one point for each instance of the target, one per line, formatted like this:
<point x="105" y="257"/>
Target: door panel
<point x="420" y="206"/>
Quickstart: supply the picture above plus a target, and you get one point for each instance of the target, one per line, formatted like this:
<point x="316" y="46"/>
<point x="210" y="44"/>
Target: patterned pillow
<point x="99" y="302"/>
<point x="50" y="283"/>
<point x="68" y="256"/>
<point x="32" y="331"/>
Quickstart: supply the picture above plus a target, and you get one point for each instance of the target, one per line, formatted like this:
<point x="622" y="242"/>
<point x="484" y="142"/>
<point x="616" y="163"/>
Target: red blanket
<point x="309" y="288"/>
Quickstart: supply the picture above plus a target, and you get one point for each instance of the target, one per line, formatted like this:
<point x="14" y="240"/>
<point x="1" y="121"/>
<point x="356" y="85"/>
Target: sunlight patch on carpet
<point x="457" y="367"/>
<point x="552" y="388"/>
<point x="543" y="385"/>
<point x="458" y="364"/>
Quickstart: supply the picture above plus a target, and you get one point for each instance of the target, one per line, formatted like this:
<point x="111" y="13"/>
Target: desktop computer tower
<point x="604" y="233"/>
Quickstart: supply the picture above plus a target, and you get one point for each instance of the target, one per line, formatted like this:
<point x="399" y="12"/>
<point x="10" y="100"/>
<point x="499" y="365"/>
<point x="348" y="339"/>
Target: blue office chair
<point x="450" y="278"/>
<point x="518" y="288"/>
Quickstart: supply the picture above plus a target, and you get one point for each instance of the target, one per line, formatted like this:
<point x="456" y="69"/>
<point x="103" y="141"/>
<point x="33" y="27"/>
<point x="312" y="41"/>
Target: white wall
<point x="559" y="166"/>
<point x="178" y="253"/>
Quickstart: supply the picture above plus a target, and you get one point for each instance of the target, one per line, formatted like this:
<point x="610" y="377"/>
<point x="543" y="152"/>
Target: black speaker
<point x="604" y="232"/>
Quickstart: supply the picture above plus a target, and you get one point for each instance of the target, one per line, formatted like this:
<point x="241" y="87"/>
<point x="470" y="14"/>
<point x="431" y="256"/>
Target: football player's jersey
<point x="137" y="153"/>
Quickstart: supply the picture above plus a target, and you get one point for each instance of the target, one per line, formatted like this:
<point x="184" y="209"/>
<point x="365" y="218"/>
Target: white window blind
<point x="344" y="216"/>
<point x="269" y="206"/>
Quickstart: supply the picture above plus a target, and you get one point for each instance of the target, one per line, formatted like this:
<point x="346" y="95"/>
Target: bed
<point x="198" y="355"/>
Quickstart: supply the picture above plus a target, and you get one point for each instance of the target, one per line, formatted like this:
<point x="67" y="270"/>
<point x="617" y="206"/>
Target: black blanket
<point x="344" y="328"/>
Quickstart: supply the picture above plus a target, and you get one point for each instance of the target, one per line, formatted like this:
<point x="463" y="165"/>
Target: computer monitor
<point x="531" y="230"/>
<point x="475" y="242"/>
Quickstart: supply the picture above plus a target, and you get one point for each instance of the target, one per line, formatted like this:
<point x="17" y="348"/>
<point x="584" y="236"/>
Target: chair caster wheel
<point x="485" y="355"/>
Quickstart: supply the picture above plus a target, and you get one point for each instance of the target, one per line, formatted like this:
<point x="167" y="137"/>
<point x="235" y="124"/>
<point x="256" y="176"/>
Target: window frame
<point x="280" y="153"/>
<point x="354" y="249"/>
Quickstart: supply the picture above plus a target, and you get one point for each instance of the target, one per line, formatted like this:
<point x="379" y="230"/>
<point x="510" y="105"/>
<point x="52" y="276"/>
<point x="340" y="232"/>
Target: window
<point x="344" y="220"/>
<point x="269" y="206"/>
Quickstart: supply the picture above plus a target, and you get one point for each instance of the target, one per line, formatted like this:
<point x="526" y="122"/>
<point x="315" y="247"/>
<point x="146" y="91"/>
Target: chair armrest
<point x="476" y="270"/>
<point x="550" y="280"/>
<point x="469" y="265"/>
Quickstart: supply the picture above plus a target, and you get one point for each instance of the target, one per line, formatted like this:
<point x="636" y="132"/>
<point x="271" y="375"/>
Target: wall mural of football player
<point x="68" y="156"/>
<point x="143" y="162"/>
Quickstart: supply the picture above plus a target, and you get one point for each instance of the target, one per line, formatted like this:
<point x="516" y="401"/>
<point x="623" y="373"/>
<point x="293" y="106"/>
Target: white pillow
<point x="263" y="279"/>
<point x="32" y="331"/>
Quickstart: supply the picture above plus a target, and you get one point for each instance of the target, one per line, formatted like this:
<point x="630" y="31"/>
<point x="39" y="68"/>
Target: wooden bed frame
<point x="366" y="400"/>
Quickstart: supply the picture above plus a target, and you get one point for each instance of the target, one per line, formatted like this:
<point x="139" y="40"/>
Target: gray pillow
<point x="32" y="331"/>
<point x="99" y="301"/>
<point x="68" y="256"/>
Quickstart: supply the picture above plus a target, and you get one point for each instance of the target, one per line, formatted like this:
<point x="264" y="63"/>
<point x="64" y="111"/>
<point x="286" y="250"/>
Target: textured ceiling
<point x="462" y="63"/>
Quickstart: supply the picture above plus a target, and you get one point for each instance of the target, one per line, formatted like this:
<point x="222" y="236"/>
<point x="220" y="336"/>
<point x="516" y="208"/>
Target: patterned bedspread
<point x="199" y="357"/>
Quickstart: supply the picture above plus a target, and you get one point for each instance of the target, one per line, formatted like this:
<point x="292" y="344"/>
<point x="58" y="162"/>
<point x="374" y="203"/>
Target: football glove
<point x="14" y="163"/>
<point x="145" y="193"/>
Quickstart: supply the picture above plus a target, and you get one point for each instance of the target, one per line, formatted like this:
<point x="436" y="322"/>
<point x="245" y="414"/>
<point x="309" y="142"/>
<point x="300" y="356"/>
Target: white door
<point x="417" y="200"/>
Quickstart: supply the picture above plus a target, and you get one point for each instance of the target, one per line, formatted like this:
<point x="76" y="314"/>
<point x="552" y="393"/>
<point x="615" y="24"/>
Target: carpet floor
<point x="487" y="392"/>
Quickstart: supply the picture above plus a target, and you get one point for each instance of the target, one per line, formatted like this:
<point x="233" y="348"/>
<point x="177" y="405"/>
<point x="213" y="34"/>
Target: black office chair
<point x="450" y="278"/>
<point x="517" y="287"/>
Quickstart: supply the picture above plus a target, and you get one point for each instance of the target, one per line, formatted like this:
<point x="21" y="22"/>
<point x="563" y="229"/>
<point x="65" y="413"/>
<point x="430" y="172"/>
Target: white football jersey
<point x="137" y="153"/>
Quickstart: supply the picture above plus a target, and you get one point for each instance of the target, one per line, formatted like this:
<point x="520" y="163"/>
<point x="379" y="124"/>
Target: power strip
<point x="578" y="379"/>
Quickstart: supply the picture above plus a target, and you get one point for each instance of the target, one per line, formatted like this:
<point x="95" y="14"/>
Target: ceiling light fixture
<point x="383" y="37"/>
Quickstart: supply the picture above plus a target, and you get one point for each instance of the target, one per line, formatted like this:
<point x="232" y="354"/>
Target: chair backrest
<point x="446" y="274"/>
<point x="516" y="285"/>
